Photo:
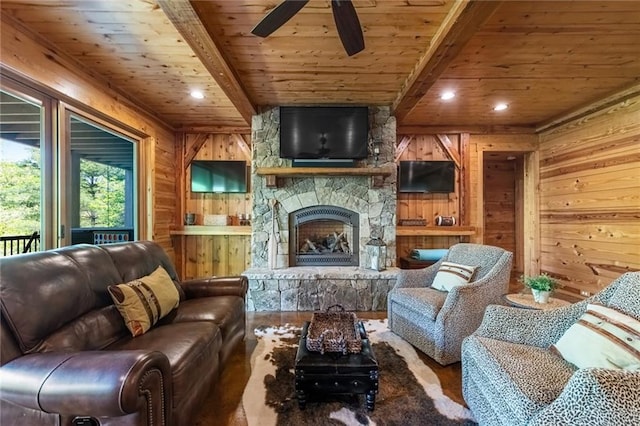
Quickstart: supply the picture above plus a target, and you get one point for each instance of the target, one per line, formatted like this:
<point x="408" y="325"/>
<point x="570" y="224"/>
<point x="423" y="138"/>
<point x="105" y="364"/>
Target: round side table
<point x="525" y="300"/>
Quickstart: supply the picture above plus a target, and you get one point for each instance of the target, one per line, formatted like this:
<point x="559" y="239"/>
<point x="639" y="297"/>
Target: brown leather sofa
<point x="66" y="352"/>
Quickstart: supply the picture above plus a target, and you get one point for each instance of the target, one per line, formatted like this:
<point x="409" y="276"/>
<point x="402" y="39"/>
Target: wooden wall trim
<point x="589" y="109"/>
<point x="402" y="146"/>
<point x="465" y="180"/>
<point x="531" y="210"/>
<point x="192" y="149"/>
<point x="242" y="144"/>
<point x="473" y="130"/>
<point x="450" y="149"/>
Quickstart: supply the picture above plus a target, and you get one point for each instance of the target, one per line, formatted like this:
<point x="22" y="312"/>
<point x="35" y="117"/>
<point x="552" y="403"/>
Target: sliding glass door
<point x="101" y="176"/>
<point x="66" y="176"/>
<point x="26" y="170"/>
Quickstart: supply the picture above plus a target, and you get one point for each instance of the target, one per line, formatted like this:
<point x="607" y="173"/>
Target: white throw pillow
<point x="602" y="337"/>
<point x="451" y="275"/>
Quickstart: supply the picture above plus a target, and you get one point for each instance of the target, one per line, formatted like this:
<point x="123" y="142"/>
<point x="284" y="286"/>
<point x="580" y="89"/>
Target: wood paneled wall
<point x="61" y="77"/>
<point x="590" y="198"/>
<point x="500" y="204"/>
<point x="208" y="255"/>
<point x="427" y="206"/>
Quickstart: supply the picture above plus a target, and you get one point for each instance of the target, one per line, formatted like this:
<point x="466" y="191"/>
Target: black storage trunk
<point x="336" y="373"/>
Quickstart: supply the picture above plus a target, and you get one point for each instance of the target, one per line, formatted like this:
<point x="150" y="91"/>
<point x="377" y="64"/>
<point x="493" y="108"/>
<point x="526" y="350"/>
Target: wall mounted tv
<point x="426" y="176"/>
<point x="324" y="132"/>
<point x="223" y="176"/>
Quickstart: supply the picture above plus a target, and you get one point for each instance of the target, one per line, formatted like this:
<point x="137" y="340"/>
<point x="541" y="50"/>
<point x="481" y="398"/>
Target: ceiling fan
<point x="344" y="14"/>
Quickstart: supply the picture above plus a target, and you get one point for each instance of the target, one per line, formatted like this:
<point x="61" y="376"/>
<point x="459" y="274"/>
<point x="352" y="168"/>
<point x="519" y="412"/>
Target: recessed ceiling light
<point x="447" y="95"/>
<point x="197" y="94"/>
<point x="500" y="107"/>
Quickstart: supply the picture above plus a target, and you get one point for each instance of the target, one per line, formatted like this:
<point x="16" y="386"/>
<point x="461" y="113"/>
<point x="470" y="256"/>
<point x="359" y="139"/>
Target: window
<point x="67" y="185"/>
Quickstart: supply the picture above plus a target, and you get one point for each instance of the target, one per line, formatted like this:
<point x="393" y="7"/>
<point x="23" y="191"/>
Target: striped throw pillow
<point x="144" y="301"/>
<point x="451" y="275"/>
<point x="602" y="337"/>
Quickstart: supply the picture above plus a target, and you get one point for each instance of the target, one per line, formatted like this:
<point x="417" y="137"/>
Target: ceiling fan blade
<point x="348" y="26"/>
<point x="278" y="17"/>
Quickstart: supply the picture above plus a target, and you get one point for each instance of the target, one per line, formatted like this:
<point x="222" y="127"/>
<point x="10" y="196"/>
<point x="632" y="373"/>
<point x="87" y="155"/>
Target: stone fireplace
<point x="352" y="205"/>
<point x="324" y="236"/>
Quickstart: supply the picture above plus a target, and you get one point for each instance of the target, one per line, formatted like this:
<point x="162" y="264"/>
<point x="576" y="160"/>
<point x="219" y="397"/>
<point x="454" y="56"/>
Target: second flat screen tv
<point x="223" y="176"/>
<point x="426" y="176"/>
<point x="333" y="133"/>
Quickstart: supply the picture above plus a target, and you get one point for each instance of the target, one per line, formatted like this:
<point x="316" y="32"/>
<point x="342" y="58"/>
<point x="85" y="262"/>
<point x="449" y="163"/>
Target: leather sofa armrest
<point x="595" y="395"/>
<point x="91" y="383"/>
<point x="216" y="286"/>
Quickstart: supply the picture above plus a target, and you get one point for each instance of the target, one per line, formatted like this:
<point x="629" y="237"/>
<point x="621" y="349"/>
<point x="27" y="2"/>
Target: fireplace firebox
<point x="324" y="236"/>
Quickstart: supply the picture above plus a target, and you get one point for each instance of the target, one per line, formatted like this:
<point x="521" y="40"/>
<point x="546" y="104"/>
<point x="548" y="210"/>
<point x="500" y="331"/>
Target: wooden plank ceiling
<point x="544" y="59"/>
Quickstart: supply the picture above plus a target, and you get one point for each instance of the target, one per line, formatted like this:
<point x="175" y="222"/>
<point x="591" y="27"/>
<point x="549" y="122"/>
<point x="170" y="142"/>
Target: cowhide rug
<point x="409" y="392"/>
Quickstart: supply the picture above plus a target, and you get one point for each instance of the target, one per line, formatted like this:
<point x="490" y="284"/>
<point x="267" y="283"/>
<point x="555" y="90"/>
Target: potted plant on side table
<point x="541" y="286"/>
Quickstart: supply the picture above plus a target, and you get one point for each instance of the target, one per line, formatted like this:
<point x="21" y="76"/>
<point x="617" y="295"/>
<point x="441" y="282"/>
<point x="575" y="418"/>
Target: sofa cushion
<point x="521" y="379"/>
<point x="139" y="258"/>
<point x="612" y="339"/>
<point x="143" y="301"/>
<point x="425" y="301"/>
<point x="452" y="275"/>
<point x="94" y="330"/>
<point x="99" y="268"/>
<point x="40" y="293"/>
<point x="227" y="312"/>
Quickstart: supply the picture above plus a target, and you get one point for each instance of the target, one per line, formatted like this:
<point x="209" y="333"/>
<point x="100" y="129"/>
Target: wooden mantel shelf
<point x="212" y="230"/>
<point x="436" y="231"/>
<point x="272" y="173"/>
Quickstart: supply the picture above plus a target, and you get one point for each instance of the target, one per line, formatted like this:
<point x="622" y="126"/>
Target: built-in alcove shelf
<point x="434" y="231"/>
<point x="272" y="173"/>
<point x="212" y="230"/>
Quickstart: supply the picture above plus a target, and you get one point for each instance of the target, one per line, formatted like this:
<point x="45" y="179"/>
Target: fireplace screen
<point x="324" y="236"/>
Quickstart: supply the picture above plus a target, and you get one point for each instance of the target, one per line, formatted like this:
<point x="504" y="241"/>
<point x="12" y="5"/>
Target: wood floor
<point x="220" y="408"/>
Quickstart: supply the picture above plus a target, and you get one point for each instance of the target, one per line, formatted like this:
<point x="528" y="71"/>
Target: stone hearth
<point x="308" y="288"/>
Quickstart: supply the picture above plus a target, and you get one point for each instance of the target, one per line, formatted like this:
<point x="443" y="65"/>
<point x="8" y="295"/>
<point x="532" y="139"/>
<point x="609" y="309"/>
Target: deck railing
<point x="16" y="244"/>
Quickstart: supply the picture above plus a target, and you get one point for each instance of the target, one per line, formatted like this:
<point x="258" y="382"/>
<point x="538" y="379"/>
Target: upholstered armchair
<point x="513" y="373"/>
<point x="436" y="321"/>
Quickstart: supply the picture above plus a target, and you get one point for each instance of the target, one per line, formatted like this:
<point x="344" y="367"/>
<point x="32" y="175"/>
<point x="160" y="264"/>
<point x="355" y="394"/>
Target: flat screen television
<point x="322" y="132"/>
<point x="219" y="176"/>
<point x="426" y="176"/>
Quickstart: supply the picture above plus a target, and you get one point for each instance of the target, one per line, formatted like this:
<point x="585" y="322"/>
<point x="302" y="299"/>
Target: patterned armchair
<point x="511" y="377"/>
<point x="436" y="321"/>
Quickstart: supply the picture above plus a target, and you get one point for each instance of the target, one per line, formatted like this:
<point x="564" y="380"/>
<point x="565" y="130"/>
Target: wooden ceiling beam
<point x="474" y="130"/>
<point x="462" y="22"/>
<point x="214" y="129"/>
<point x="187" y="22"/>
